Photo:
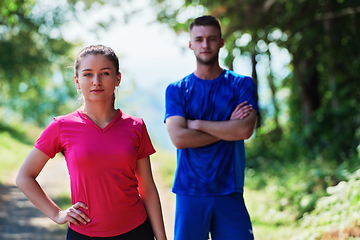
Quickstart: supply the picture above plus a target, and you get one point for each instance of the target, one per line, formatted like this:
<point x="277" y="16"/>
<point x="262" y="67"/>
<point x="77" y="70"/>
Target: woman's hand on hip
<point x="73" y="215"/>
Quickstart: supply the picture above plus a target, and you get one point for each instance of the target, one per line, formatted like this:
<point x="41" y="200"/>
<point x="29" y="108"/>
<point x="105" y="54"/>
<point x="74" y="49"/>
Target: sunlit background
<point x="302" y="177"/>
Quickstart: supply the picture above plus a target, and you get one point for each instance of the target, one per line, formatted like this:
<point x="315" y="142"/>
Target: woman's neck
<point x="99" y="113"/>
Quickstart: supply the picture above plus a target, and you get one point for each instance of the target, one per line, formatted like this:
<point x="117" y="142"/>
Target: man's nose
<point x="205" y="43"/>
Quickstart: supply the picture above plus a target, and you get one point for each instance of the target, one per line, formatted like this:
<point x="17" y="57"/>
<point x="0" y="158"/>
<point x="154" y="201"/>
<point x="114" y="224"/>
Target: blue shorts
<point x="221" y="217"/>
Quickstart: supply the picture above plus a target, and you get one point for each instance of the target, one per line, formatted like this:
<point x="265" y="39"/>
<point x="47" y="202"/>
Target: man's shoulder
<point x="180" y="84"/>
<point x="233" y="75"/>
<point x="236" y="79"/>
<point x="185" y="79"/>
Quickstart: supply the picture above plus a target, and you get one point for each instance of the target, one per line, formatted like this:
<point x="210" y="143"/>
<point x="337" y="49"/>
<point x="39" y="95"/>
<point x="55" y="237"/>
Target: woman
<point x="107" y="154"/>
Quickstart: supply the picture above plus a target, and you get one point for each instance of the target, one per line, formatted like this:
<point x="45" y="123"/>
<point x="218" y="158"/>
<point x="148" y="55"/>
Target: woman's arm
<point x="150" y="196"/>
<point x="26" y="181"/>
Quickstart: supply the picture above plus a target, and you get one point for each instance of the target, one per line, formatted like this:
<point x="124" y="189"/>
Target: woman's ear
<point x="118" y="79"/>
<point x="76" y="82"/>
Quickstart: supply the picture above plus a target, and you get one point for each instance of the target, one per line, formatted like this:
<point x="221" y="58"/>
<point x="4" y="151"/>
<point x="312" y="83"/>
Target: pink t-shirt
<point x="101" y="164"/>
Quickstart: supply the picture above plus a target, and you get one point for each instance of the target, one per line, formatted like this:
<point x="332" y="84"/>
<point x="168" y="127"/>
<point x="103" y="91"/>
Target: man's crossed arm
<point x="197" y="133"/>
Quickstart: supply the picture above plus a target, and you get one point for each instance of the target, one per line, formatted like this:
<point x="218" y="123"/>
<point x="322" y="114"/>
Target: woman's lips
<point x="97" y="90"/>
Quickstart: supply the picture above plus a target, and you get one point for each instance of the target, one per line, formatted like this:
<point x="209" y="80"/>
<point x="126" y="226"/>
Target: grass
<point x="13" y="154"/>
<point x="268" y="222"/>
<point x="16" y="141"/>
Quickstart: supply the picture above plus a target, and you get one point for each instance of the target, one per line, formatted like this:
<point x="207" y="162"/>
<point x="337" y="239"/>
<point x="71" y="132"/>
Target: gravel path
<point x="20" y="220"/>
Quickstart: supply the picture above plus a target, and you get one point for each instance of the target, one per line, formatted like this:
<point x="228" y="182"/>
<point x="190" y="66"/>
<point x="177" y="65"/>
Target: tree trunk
<point x="308" y="79"/>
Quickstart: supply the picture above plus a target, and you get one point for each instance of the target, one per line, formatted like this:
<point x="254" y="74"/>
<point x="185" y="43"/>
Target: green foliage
<point x="32" y="49"/>
<point x="321" y="112"/>
<point x="337" y="214"/>
<point x="308" y="140"/>
<point x="36" y="82"/>
<point x="286" y="171"/>
<point x="12" y="155"/>
<point x="268" y="220"/>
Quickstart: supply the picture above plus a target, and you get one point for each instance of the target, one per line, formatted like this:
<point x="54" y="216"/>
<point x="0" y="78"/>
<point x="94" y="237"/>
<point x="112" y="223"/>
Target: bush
<point x="336" y="216"/>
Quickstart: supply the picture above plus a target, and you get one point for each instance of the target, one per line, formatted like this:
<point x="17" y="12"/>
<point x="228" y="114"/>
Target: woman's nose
<point x="97" y="80"/>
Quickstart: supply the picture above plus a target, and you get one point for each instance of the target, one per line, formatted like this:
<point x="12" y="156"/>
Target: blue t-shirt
<point x="218" y="168"/>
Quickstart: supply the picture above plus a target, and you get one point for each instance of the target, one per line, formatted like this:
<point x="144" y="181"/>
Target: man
<point x="209" y="113"/>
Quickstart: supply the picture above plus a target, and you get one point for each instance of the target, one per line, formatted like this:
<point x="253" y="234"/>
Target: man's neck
<point x="208" y="72"/>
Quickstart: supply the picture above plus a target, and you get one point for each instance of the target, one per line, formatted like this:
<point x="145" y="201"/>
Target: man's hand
<point x="241" y="111"/>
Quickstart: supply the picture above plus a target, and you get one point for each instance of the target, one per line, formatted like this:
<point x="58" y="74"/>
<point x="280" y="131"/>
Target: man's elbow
<point x="244" y="135"/>
<point x="249" y="132"/>
<point x="179" y="144"/>
<point x="248" y="135"/>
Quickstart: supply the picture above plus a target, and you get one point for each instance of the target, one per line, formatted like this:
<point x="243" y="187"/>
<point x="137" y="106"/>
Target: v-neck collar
<point x="89" y="121"/>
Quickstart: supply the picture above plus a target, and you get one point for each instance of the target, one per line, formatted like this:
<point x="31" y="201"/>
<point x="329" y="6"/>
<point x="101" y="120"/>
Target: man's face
<point x="206" y="42"/>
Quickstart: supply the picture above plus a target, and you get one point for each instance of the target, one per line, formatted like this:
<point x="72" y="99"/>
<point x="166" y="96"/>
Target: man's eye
<point x="105" y="73"/>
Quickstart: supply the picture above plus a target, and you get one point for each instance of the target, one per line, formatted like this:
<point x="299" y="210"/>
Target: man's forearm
<point x="230" y="130"/>
<point x="190" y="138"/>
<point x="183" y="137"/>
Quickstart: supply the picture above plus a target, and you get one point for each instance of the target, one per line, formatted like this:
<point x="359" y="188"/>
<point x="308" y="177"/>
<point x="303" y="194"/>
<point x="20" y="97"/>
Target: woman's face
<point x="97" y="78"/>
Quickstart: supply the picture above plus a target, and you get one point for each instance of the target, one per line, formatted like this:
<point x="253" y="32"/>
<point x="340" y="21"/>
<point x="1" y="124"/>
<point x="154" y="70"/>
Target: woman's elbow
<point x="19" y="181"/>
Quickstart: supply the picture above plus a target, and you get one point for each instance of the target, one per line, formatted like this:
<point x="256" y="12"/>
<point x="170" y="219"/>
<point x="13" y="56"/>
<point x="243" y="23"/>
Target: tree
<point x="322" y="39"/>
<point x="32" y="49"/>
<point x="35" y="81"/>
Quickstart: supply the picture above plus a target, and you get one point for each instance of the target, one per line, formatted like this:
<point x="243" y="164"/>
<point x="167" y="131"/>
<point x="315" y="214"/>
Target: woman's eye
<point x="87" y="75"/>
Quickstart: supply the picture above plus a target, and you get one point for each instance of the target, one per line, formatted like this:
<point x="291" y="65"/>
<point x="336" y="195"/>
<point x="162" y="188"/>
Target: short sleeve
<point x="145" y="148"/>
<point x="173" y="102"/>
<point x="248" y="93"/>
<point x="49" y="140"/>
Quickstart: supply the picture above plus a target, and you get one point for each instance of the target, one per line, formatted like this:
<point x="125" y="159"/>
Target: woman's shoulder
<point x="128" y="117"/>
<point x="70" y="117"/>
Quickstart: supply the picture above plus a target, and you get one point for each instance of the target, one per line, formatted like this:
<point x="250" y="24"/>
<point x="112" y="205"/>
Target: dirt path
<point x="20" y="220"/>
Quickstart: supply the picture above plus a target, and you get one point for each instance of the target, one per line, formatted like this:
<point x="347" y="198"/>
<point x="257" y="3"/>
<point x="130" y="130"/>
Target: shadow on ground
<point x="20" y="220"/>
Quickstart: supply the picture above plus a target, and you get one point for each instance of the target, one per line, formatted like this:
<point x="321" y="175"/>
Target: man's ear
<point x="190" y="46"/>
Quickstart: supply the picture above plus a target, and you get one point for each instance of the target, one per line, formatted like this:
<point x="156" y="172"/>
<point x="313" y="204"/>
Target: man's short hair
<point x="206" y="20"/>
